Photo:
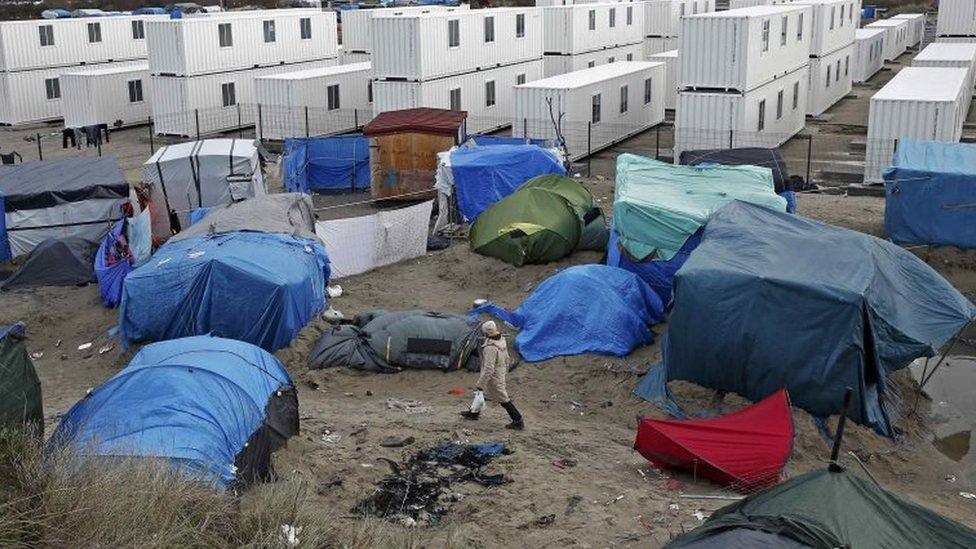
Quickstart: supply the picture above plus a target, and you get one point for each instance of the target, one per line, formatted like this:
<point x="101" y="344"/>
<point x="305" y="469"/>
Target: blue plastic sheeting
<point x="197" y="214"/>
<point x="489" y="140"/>
<point x="110" y="268"/>
<point x="936" y="156"/>
<point x="587" y="309"/>
<point x="485" y="175"/>
<point x="327" y="164"/>
<point x="255" y="287"/>
<point x="5" y="253"/>
<point x="771" y="300"/>
<point x="193" y="401"/>
<point x="657" y="273"/>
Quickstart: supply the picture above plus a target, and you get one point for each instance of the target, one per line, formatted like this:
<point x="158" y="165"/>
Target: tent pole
<point x="952" y="344"/>
<point x="835" y="452"/>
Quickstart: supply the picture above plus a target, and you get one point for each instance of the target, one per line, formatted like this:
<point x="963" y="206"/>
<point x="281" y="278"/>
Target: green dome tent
<point x="20" y="388"/>
<point x="547" y="218"/>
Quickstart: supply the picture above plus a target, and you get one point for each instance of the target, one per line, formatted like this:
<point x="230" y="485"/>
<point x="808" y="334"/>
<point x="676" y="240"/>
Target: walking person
<point x="491" y="384"/>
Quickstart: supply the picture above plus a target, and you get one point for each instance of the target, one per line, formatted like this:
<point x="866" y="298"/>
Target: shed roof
<point x="421" y="120"/>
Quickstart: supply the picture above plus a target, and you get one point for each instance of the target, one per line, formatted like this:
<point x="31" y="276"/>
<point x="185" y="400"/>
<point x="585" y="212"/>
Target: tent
<point x="547" y="218"/>
<point x="252" y="271"/>
<point x="55" y="262"/>
<point x="68" y="197"/>
<point x="930" y="194"/>
<point x="216" y="409"/>
<point x="766" y="291"/>
<point x="20" y="388"/>
<point x="211" y="172"/>
<point x="826" y="509"/>
<point x="326" y="164"/>
<point x="583" y="309"/>
<point x="746" y="449"/>
<point x="745" y="156"/>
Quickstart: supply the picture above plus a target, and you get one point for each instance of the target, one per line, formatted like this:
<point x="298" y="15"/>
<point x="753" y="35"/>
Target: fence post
<point x="306" y="121"/>
<point x="731" y="138"/>
<point x="152" y="147"/>
<point x="809" y="155"/>
<point x="40" y="153"/>
<point x="525" y="128"/>
<point x="589" y="136"/>
<point x="657" y="143"/>
<point x="355" y="118"/>
<point x="196" y="118"/>
<point x="260" y="124"/>
<point x="99" y="143"/>
<point x="240" y="122"/>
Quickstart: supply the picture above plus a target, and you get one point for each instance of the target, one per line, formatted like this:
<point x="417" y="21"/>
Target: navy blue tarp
<point x="202" y="403"/>
<point x="930" y="194"/>
<point x="483" y="140"/>
<point x="771" y="300"/>
<point x="657" y="273"/>
<point x="327" y="164"/>
<point x="485" y="175"/>
<point x="4" y="244"/>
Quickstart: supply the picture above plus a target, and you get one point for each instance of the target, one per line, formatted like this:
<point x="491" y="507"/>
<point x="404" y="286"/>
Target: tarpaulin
<point x="327" y="164"/>
<point x="196" y="214"/>
<point x="745" y="450"/>
<point x="139" y="233"/>
<point x="657" y="273"/>
<point x="483" y="140"/>
<point x="112" y="264"/>
<point x="55" y="262"/>
<point x="4" y="244"/>
<point x="744" y="156"/>
<point x="485" y="175"/>
<point x="771" y="300"/>
<point x="21" y="404"/>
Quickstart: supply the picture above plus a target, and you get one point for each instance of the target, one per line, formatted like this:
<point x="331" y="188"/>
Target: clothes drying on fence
<point x="55" y="262"/>
<point x="21" y="405"/>
<point x="327" y="164"/>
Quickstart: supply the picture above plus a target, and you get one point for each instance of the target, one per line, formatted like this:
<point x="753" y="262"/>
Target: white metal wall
<point x="658" y="44"/>
<point x="868" y="54"/>
<point x="916" y="27"/>
<point x="670" y="60"/>
<point x="739" y="4"/>
<point x="351" y="57"/>
<point x="837" y="69"/>
<point x="896" y="36"/>
<point x="561" y="64"/>
<point x="357" y="34"/>
<point x="23" y="97"/>
<point x="956" y="18"/>
<point x="566" y="30"/>
<point x="101" y="96"/>
<point x="662" y="18"/>
<point x="834" y="22"/>
<point x="959" y="56"/>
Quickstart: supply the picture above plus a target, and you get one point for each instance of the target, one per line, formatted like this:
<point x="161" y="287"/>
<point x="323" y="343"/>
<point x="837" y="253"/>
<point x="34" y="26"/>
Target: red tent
<point x="746" y="450"/>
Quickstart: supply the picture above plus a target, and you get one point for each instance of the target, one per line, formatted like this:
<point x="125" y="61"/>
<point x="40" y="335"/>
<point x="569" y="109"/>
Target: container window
<point x="519" y="25"/>
<point x="490" y="93"/>
<point x="828" y="76"/>
<point x="613" y="17"/>
<point x="228" y="94"/>
<point x="305" y="28"/>
<point x="850" y="12"/>
<point x="837" y="72"/>
<point x="623" y="99"/>
<point x="682" y="9"/>
<point x="782" y="31"/>
<point x="630" y="57"/>
<point x="520" y="79"/>
<point x="489" y="29"/>
<point x="779" y="105"/>
<point x="592" y="19"/>
<point x="269" y="31"/>
<point x="591" y="64"/>
<point x="135" y="91"/>
<point x="94" y="32"/>
<point x="611" y="59"/>
<point x="138" y="30"/>
<point x="47" y="34"/>
<point x="453" y="33"/>
<point x="762" y="115"/>
<point x="630" y="15"/>
<point x="456" y="99"/>
<point x="847" y="65"/>
<point x="52" y="88"/>
<point x="332" y="97"/>
<point x="595" y="110"/>
<point x="799" y="28"/>
<point x="224" y="35"/>
<point x="765" y="35"/>
<point x="369" y="91"/>
<point x="694" y="8"/>
<point x="648" y="90"/>
<point x="833" y="10"/>
<point x="796" y="95"/>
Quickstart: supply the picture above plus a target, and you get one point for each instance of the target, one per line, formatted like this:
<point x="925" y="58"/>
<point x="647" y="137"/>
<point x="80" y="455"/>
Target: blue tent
<point x="485" y="175"/>
<point x="491" y="140"/>
<point x="658" y="274"/>
<point x="5" y="253"/>
<point x="111" y="276"/>
<point x="327" y="164"/>
<point x="584" y="309"/>
<point x="215" y="408"/>
<point x="771" y="300"/>
<point x="930" y="194"/>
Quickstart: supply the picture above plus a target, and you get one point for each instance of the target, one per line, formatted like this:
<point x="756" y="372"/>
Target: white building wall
<point x="561" y="64"/>
<point x="831" y="78"/>
<point x="868" y="54"/>
<point x="107" y="95"/>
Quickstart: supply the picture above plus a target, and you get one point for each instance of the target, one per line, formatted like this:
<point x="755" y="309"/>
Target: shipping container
<point x="868" y="53"/>
<point x="316" y="101"/>
<point x="48" y="43"/>
<point x="950" y="55"/>
<point x="767" y="116"/>
<point x="117" y="95"/>
<point x="211" y="103"/>
<point x="658" y="44"/>
<point x="351" y="57"/>
<point x="561" y="64"/>
<point x="231" y="41"/>
<point x="924" y="103"/>
<point x="426" y="46"/>
<point x="830" y="79"/>
<point x="595" y="108"/>
<point x="30" y="96"/>
<point x="896" y="36"/>
<point x="916" y="27"/>
<point x="956" y="18"/>
<point x="739" y="4"/>
<point x="485" y="95"/>
<point x="956" y="39"/>
<point x="834" y="22"/>
<point x="584" y="28"/>
<point x="740" y="50"/>
<point x="662" y="18"/>
<point x="670" y="60"/>
<point x="357" y="24"/>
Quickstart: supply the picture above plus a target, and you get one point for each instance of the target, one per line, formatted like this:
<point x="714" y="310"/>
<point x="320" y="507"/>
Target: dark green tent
<point x="20" y="388"/>
<point x="827" y="509"/>
<point x="547" y="218"/>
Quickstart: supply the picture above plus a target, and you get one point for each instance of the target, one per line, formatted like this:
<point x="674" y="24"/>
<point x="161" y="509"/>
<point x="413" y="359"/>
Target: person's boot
<point x="468" y="414"/>
<point x="517" y="423"/>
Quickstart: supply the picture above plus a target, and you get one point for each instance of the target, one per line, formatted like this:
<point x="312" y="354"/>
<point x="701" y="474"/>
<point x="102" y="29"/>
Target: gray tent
<point x="288" y="213"/>
<point x="56" y="262"/>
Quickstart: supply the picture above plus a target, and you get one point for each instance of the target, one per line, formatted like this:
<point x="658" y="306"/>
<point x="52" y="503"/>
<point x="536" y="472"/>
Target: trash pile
<point x="418" y="492"/>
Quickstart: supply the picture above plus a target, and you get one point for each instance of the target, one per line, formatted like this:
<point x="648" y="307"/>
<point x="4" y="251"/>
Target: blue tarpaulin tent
<point x="771" y="300"/>
<point x="930" y="194"/>
<point x="4" y="244"/>
<point x="658" y="274"/>
<point x="214" y="408"/>
<point x="485" y="175"/>
<point x="327" y="164"/>
<point x="111" y="267"/>
<point x="489" y="140"/>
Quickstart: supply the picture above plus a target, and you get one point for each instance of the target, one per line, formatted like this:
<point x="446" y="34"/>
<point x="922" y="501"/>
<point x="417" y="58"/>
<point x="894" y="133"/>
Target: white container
<point x="918" y="103"/>
<point x="670" y="60"/>
<point x="658" y="44"/>
<point x="356" y="24"/>
<point x="916" y="27"/>
<point x="585" y="28"/>
<point x="662" y="18"/>
<point x="352" y="57"/>
<point x="831" y="77"/>
<point x="956" y="39"/>
<point x="297" y="104"/>
<point x="25" y="96"/>
<point x="868" y="53"/>
<point x="418" y="47"/>
<point x="596" y="107"/>
<point x="739" y="4"/>
<point x="956" y="18"/>
<point x="470" y="90"/>
<point x="553" y="65"/>
<point x="117" y="95"/>
<point x="740" y="50"/>
<point x="834" y="22"/>
<point x="46" y="43"/>
<point x="950" y="55"/>
<point x="717" y="120"/>
<point x="896" y="36"/>
<point x="192" y="46"/>
<point x="180" y="102"/>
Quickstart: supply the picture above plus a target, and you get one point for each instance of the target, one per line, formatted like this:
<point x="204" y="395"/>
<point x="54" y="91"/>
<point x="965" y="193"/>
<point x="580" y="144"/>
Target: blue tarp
<point x="490" y="140"/>
<point x="255" y="287"/>
<point x="327" y="164"/>
<point x="111" y="277"/>
<point x="930" y="194"/>
<point x="485" y="175"/>
<point x="5" y="253"/>
<point x="194" y="401"/>
<point x="584" y="309"/>
<point x="197" y="214"/>
<point x="657" y="273"/>
<point x="771" y="300"/>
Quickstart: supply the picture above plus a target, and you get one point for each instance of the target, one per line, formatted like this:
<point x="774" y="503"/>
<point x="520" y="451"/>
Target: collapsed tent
<point x="21" y="404"/>
<point x="547" y="218"/>
<point x="659" y="207"/>
<point x="388" y="341"/>
<point x="746" y="449"/>
<point x="215" y="409"/>
<point x="766" y="291"/>
<point x="930" y="194"/>
<point x="252" y="271"/>
<point x="583" y="309"/>
<point x="64" y="198"/>
<point x="55" y="262"/>
<point x="326" y="164"/>
<point x="826" y="509"/>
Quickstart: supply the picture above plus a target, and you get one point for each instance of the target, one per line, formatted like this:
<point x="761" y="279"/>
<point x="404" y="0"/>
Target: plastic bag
<point x="478" y="402"/>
